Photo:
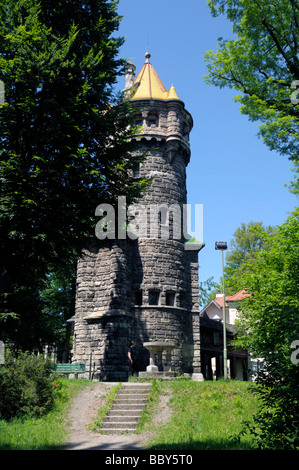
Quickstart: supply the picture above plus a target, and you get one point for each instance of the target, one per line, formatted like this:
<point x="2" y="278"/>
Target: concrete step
<point x="119" y="425"/>
<point x="125" y="412"/>
<point x="131" y="401"/>
<point x="131" y="396"/>
<point x="128" y="406"/>
<point x="118" y="431"/>
<point x="139" y="389"/>
<point x="134" y="389"/>
<point x="121" y="419"/>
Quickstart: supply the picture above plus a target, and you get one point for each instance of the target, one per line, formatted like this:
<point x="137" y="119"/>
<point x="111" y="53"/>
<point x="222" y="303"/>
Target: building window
<point x="170" y="298"/>
<point x="137" y="297"/>
<point x="153" y="297"/>
<point x="216" y="338"/>
<point x="137" y="171"/>
<point x="163" y="215"/>
<point x="152" y="120"/>
<point x="138" y="120"/>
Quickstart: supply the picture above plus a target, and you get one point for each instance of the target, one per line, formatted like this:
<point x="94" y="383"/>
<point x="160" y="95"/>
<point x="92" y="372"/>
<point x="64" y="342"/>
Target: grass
<point x="151" y="407"/>
<point x="95" y="426"/>
<point x="205" y="415"/>
<point x="47" y="432"/>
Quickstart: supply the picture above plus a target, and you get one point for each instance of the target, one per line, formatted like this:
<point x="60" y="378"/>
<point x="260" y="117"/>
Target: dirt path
<point x="83" y="411"/>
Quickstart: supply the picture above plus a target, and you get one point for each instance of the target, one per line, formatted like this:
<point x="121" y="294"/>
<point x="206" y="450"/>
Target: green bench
<point x="69" y="368"/>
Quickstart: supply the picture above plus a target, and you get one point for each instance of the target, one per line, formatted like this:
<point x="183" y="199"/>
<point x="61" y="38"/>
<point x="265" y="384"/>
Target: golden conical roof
<point x="150" y="86"/>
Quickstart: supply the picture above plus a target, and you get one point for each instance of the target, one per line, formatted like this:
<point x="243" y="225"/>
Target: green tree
<point x="58" y="306"/>
<point x="268" y="325"/>
<point x="249" y="239"/>
<point x="65" y="144"/>
<point x="262" y="62"/>
<point x="206" y="291"/>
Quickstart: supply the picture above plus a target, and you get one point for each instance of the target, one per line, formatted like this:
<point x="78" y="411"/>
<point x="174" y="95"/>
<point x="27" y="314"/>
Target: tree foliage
<point x="65" y="141"/>
<point x="249" y="239"/>
<point x="262" y="63"/>
<point x="58" y="306"/>
<point x="269" y="319"/>
<point x="206" y="291"/>
<point x="268" y="325"/>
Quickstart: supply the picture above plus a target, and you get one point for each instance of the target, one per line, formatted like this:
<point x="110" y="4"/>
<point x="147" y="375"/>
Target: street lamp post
<point x="223" y="246"/>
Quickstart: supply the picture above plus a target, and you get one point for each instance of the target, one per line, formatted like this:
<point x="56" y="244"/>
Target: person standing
<point x="131" y="358"/>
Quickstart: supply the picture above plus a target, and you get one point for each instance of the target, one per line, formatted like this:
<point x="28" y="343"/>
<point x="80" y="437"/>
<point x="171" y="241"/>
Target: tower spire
<point x="149" y="84"/>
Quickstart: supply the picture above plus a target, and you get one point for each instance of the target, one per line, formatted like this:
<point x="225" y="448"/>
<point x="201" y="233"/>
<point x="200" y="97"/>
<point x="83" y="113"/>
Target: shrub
<point x="26" y="385"/>
<point x="275" y="425"/>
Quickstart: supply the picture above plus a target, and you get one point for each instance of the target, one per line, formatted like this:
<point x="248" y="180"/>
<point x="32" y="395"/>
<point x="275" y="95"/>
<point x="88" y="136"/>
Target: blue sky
<point x="231" y="172"/>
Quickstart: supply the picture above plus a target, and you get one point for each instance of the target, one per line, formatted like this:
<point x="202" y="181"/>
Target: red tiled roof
<point x="219" y="301"/>
<point x="238" y="296"/>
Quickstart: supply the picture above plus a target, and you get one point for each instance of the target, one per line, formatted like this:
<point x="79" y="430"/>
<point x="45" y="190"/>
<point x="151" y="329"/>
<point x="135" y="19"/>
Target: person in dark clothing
<point x="131" y="358"/>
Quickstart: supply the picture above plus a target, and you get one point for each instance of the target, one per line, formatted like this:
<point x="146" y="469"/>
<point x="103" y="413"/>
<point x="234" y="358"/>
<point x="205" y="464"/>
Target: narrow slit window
<point x="137" y="172"/>
<point x="216" y="338"/>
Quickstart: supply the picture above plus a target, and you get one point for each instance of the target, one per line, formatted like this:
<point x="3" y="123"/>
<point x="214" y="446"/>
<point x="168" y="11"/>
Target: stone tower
<point x="145" y="289"/>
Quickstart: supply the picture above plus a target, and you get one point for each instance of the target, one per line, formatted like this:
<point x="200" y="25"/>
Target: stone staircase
<point x="126" y="410"/>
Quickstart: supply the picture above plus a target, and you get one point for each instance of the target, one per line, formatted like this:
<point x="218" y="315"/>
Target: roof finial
<point x="147" y="54"/>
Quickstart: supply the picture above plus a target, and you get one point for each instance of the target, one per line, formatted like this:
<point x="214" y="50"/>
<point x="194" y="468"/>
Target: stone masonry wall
<point x="144" y="289"/>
